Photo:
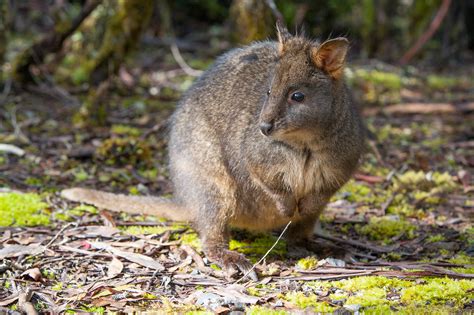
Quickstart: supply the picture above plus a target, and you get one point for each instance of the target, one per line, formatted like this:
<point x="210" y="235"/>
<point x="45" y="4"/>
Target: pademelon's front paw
<point x="233" y="262"/>
<point x="286" y="205"/>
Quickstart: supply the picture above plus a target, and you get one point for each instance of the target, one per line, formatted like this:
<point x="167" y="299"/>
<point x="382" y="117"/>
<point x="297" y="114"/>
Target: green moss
<point x="439" y="291"/>
<point x="144" y="230"/>
<point x="22" y="210"/>
<point x="370" y="292"/>
<point x="307" y="263"/>
<point x="441" y="82"/>
<point x="462" y="259"/>
<point x="124" y="151"/>
<point x="371" y="297"/>
<point x="383" y="228"/>
<point x="361" y="193"/>
<point x="254" y="291"/>
<point x="80" y="174"/>
<point x="309" y="301"/>
<point x="469" y="270"/>
<point x="369" y="282"/>
<point x="393" y="256"/>
<point x="57" y="287"/>
<point x="191" y="239"/>
<point x="33" y="181"/>
<point x="388" y="80"/>
<point x="93" y="309"/>
<point x="429" y="182"/>
<point x="72" y="214"/>
<point x="215" y="267"/>
<point x="435" y="238"/>
<point x="124" y="130"/>
<point x="259" y="246"/>
<point x="260" y="310"/>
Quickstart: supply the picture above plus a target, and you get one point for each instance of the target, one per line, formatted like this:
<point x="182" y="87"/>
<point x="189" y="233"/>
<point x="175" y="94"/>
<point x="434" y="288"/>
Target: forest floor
<point x="397" y="237"/>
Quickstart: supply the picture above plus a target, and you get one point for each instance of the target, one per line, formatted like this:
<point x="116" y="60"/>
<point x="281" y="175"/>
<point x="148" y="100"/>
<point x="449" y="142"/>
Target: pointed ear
<point x="283" y="36"/>
<point x="331" y="55"/>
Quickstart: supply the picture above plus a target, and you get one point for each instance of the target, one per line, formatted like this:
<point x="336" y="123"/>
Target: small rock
<point x="332" y="262"/>
<point x="338" y="302"/>
<point x="352" y="307"/>
<point x="209" y="300"/>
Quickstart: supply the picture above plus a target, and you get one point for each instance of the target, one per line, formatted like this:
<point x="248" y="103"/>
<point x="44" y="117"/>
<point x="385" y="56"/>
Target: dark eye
<point x="297" y="97"/>
<point x="268" y="92"/>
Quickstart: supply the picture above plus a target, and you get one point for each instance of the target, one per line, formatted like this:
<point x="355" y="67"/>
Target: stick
<point x="377" y="249"/>
<point x="180" y="60"/>
<point x="439" y="17"/>
<point x="266" y="254"/>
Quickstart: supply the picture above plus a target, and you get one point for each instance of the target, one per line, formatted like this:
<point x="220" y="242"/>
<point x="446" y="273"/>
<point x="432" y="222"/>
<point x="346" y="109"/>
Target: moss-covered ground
<point x="402" y="226"/>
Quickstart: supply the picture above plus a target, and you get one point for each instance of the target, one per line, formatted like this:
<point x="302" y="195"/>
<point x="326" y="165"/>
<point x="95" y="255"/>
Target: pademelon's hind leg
<point x="299" y="237"/>
<point x="213" y="213"/>
<point x="214" y="233"/>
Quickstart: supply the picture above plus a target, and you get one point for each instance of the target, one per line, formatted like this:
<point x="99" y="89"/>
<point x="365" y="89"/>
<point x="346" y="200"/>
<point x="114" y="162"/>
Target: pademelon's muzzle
<point x="266" y="128"/>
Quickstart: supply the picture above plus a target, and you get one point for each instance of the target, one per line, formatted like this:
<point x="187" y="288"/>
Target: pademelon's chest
<point x="306" y="175"/>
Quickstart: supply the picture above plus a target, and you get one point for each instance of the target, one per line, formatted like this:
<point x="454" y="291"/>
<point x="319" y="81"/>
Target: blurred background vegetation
<point x="79" y="48"/>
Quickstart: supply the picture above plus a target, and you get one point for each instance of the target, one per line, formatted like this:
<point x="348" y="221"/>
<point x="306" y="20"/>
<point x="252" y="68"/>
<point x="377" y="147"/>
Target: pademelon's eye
<point x="297" y="97"/>
<point x="268" y="92"/>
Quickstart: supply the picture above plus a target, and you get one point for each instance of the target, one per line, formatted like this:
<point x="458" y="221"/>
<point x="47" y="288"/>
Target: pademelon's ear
<point x="330" y="56"/>
<point x="283" y="36"/>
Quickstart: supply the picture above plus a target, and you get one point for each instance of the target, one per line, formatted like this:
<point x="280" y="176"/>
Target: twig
<point x="180" y="60"/>
<point x="24" y="302"/>
<point x="387" y="204"/>
<point x="423" y="108"/>
<point x="60" y="231"/>
<point x="16" y="126"/>
<point x="276" y="13"/>
<point x="6" y="90"/>
<point x="373" y="248"/>
<point x="266" y="254"/>
<point x="10" y="148"/>
<point x="439" y="17"/>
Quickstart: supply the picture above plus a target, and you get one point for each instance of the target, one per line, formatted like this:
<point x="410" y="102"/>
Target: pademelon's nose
<point x="266" y="128"/>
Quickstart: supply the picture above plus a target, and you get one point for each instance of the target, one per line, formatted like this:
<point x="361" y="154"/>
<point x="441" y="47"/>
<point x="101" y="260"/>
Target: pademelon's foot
<point x="298" y="251"/>
<point x="232" y="262"/>
<point x="307" y="247"/>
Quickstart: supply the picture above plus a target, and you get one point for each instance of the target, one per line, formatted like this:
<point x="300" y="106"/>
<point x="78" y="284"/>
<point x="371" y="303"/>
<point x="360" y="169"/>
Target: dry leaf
<point x="9" y="300"/>
<point x="115" y="268"/>
<point x="19" y="250"/>
<point x="133" y="257"/>
<point x="33" y="273"/>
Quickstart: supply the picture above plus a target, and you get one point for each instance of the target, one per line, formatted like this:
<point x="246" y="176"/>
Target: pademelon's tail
<point x="160" y="207"/>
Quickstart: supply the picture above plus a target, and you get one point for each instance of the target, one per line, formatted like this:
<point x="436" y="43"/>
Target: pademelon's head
<point x="302" y="97"/>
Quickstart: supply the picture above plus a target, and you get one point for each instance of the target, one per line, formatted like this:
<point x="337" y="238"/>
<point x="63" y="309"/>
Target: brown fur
<point x="226" y="173"/>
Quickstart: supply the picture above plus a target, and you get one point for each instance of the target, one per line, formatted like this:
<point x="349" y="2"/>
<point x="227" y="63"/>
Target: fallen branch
<point x="423" y="108"/>
<point x="374" y="248"/>
<point x="183" y="65"/>
<point x="9" y="148"/>
<point x="439" y="17"/>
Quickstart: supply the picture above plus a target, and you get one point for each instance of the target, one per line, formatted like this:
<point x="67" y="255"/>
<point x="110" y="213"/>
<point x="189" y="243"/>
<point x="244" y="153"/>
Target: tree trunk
<point x="51" y="43"/>
<point x="3" y="34"/>
<point x="251" y="20"/>
<point x="122" y="34"/>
